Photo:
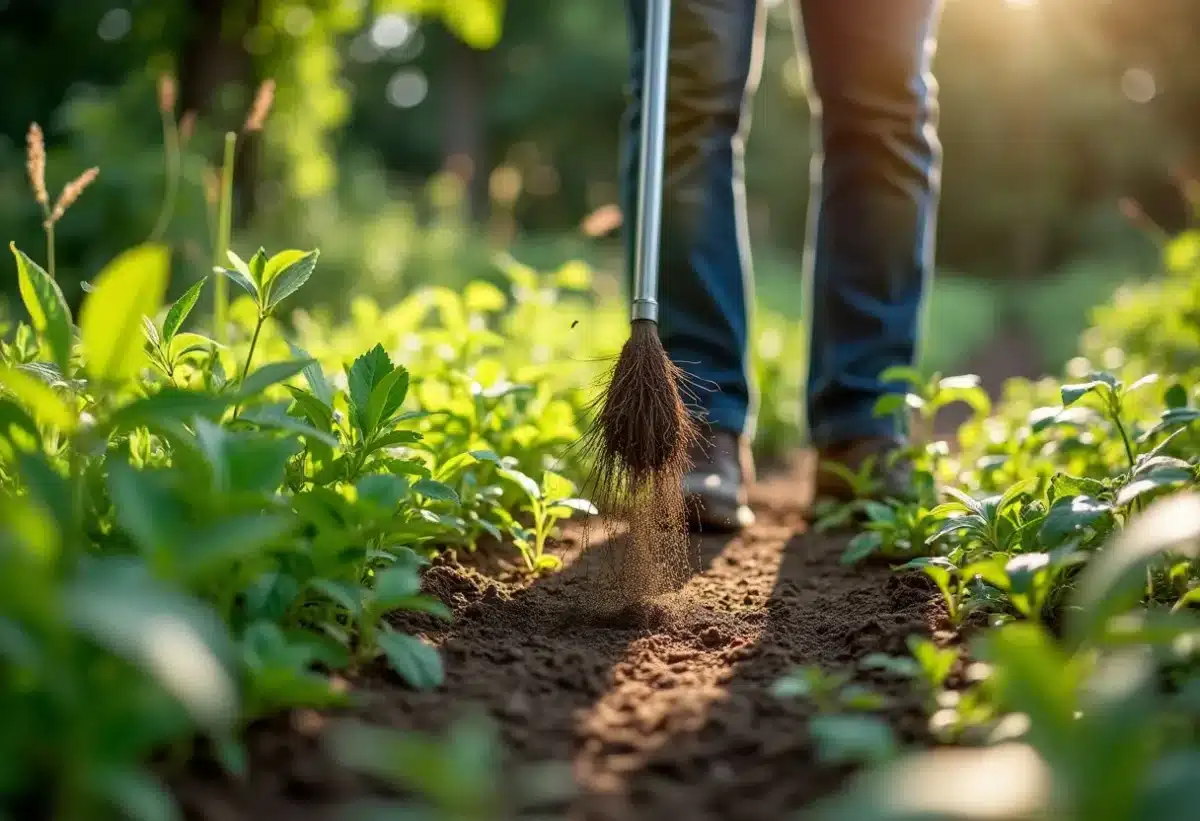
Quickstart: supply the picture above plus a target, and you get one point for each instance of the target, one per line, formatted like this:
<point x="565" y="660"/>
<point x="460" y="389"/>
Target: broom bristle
<point x="638" y="447"/>
<point x="643" y="422"/>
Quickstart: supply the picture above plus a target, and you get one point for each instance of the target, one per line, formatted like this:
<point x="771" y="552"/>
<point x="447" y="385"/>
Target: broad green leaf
<point x="862" y="546"/>
<point x="386" y="398"/>
<point x="579" y="505"/>
<point x="851" y="739"/>
<point x="433" y="489"/>
<point x="1072" y="394"/>
<point x="241" y="279"/>
<point x="394" y="584"/>
<point x="556" y="486"/>
<point x="527" y="485"/>
<point x="318" y="413"/>
<point x="46" y="406"/>
<point x="180" y="311"/>
<point x="1115" y="578"/>
<point x="366" y="372"/>
<point x="889" y="404"/>
<point x="129" y="287"/>
<point x="1033" y="676"/>
<point x="244" y="462"/>
<point x="416" y="662"/>
<point x="178" y="641"/>
<point x="346" y="594"/>
<point x="169" y="403"/>
<point x="383" y="490"/>
<point x="270" y="374"/>
<point x="46" y="306"/>
<point x="1070" y="515"/>
<point x="285" y="274"/>
<point x="1152" y="481"/>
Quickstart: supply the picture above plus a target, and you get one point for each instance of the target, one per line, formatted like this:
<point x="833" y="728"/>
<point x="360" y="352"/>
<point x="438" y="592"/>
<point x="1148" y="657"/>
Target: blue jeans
<point x="874" y="200"/>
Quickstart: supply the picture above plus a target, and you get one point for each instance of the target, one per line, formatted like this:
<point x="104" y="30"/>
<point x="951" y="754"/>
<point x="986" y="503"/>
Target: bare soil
<point x="666" y="712"/>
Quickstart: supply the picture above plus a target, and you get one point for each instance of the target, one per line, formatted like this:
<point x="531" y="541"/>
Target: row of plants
<point x="1063" y="534"/>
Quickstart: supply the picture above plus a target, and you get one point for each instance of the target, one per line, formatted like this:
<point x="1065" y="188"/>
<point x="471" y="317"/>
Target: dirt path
<point x="672" y="721"/>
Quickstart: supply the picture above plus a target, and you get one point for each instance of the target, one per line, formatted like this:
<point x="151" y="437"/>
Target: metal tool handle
<point x="650" y="177"/>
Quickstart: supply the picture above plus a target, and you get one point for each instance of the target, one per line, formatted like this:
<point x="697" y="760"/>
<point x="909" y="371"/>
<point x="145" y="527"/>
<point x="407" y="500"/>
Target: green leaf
<point x="1073" y="393"/>
<point x="285" y="273"/>
<point x="41" y="400"/>
<point x="137" y="795"/>
<point x="416" y="662"/>
<point x="1115" y="578"/>
<point x="386" y="398"/>
<point x="180" y="311"/>
<point x="578" y="505"/>
<point x="902" y="373"/>
<point x="1152" y="481"/>
<point x="46" y="306"/>
<point x="432" y="489"/>
<point x="889" y="404"/>
<point x="346" y="594"/>
<point x="176" y="640"/>
<point x="145" y="505"/>
<point x="317" y="412"/>
<point x="1070" y="515"/>
<point x="168" y="404"/>
<point x="244" y="462"/>
<point x="847" y="739"/>
<point x="395" y="584"/>
<point x="129" y="287"/>
<point x="241" y="279"/>
<point x="530" y="487"/>
<point x="1176" y="396"/>
<point x="276" y="417"/>
<point x="315" y="377"/>
<point x="217" y="546"/>
<point x="366" y="372"/>
<point x="862" y="546"/>
<point x="270" y="374"/>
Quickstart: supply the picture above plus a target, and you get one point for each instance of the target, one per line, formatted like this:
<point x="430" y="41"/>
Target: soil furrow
<point x="671" y="719"/>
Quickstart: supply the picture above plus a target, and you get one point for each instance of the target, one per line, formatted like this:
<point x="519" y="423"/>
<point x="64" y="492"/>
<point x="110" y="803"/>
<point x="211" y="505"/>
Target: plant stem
<point x="171" y="159"/>
<point x="221" y="246"/>
<point x="49" y="247"/>
<point x="249" y="358"/>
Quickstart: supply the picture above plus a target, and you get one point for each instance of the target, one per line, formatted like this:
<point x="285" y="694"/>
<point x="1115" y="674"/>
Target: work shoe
<point x="715" y="489"/>
<point x="874" y="468"/>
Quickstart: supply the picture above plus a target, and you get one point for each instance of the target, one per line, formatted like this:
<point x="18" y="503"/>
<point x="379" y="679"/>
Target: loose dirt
<point x="664" y="711"/>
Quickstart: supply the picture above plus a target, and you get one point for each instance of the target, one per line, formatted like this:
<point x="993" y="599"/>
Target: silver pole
<point x="650" y="178"/>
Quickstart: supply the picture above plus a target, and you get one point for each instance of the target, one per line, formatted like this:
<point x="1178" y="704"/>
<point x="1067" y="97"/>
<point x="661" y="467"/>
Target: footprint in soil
<point x="664" y="708"/>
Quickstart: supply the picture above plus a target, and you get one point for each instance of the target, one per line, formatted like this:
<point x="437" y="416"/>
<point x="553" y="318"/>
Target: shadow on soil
<point x="672" y="719"/>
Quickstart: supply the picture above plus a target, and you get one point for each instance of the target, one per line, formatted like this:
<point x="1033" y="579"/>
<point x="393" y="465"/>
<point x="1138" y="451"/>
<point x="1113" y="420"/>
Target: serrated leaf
<point x="317" y="412"/>
<point x="286" y="273"/>
<point x="386" y="398"/>
<point x="416" y="662"/>
<point x="129" y="287"/>
<point x="181" y="310"/>
<point x="48" y="310"/>
<point x="366" y="372"/>
<point x="240" y="279"/>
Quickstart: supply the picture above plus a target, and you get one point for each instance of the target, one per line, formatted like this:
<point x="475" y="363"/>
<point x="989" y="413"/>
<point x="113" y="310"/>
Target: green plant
<point x="546" y="504"/>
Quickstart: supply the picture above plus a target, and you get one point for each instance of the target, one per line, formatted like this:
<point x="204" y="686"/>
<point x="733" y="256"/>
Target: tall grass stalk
<point x="221" y="246"/>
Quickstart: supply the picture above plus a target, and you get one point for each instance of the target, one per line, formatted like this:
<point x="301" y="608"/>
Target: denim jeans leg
<point x="705" y="279"/>
<point x="874" y="202"/>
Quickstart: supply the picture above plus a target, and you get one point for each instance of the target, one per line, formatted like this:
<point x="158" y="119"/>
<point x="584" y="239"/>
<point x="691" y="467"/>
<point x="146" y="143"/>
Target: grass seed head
<point x="261" y="107"/>
<point x="71" y="192"/>
<point x="35" y="162"/>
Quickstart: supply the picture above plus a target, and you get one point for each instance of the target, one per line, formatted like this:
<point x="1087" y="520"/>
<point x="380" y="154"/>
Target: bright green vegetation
<point x="1065" y="547"/>
<point x="201" y="526"/>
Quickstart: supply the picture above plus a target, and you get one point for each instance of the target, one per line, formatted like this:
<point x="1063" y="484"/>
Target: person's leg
<point x="704" y="282"/>
<point x="875" y="194"/>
